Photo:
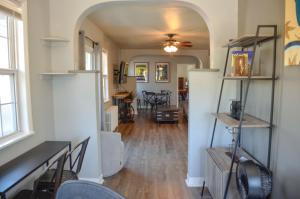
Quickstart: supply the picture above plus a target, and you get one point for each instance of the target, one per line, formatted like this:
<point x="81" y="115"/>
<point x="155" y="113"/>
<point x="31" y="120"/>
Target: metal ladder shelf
<point x="249" y="42"/>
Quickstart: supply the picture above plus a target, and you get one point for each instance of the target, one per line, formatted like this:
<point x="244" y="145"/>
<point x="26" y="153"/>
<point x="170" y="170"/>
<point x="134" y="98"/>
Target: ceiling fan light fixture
<point x="170" y="49"/>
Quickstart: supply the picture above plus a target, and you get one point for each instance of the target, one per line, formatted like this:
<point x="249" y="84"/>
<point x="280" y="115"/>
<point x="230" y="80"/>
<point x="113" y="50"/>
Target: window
<point x="90" y="58"/>
<point x="11" y="59"/>
<point x="105" y="76"/>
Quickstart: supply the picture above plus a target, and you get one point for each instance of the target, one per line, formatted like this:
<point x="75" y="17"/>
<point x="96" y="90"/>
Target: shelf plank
<point x="84" y="71"/>
<point x="252" y="77"/>
<point x="249" y="121"/>
<point x="248" y="40"/>
<point x="55" y="39"/>
<point x="58" y="74"/>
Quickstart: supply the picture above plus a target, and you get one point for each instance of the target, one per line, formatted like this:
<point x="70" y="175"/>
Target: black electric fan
<point x="253" y="180"/>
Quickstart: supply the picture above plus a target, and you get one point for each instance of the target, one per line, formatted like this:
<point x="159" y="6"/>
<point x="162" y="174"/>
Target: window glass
<point x="105" y="89"/>
<point x="105" y="75"/>
<point x="3" y="25"/>
<point x="20" y="44"/>
<point x="6" y="89"/>
<point x="4" y="47"/>
<point x="8" y="114"/>
<point x="88" y="61"/>
<point x="9" y="119"/>
<point x="104" y="63"/>
<point x="4" y="52"/>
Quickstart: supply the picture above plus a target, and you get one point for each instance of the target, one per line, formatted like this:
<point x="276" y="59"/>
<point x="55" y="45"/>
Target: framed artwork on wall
<point x="141" y="72"/>
<point x="292" y="33"/>
<point x="162" y="72"/>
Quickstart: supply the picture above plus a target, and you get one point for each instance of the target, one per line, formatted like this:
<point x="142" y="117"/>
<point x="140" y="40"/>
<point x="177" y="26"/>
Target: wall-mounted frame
<point x="141" y="72"/>
<point x="162" y="72"/>
<point x="292" y="33"/>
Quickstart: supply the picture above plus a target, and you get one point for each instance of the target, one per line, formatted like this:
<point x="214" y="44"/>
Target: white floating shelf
<point x="55" y="39"/>
<point x="84" y="71"/>
<point x="252" y="78"/>
<point x="58" y="74"/>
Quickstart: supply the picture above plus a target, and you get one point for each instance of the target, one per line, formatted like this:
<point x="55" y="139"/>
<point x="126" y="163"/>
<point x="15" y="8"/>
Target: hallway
<point x="156" y="161"/>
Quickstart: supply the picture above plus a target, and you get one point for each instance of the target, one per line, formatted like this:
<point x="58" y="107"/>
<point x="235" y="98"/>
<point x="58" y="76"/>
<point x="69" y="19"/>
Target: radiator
<point x="111" y="118"/>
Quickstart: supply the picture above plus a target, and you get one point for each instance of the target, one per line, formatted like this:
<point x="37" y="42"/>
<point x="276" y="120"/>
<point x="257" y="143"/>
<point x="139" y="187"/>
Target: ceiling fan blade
<point x="185" y="44"/>
<point x="188" y="46"/>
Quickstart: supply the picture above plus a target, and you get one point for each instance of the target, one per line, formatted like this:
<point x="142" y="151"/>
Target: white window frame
<point x="12" y="70"/>
<point x="105" y="77"/>
<point x="21" y="77"/>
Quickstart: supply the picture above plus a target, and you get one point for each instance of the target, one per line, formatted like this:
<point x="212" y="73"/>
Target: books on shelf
<point x="241" y="62"/>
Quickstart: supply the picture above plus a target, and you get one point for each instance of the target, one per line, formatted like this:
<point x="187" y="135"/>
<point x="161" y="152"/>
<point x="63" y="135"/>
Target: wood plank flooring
<point x="156" y="161"/>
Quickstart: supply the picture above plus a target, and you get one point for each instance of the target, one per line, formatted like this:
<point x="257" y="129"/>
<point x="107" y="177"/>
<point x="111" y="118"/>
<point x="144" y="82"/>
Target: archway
<point x="96" y="6"/>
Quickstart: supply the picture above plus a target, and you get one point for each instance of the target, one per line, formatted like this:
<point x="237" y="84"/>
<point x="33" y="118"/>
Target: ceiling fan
<point x="171" y="45"/>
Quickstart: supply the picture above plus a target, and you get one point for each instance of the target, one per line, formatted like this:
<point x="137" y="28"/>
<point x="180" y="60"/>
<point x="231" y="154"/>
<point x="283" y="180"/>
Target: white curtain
<point x="98" y="58"/>
<point x="81" y="46"/>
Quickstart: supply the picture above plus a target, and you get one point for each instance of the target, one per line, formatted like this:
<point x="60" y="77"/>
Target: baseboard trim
<point x="194" y="181"/>
<point x="99" y="180"/>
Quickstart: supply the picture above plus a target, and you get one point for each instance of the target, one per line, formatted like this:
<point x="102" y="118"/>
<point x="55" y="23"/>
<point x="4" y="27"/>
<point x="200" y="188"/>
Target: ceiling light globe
<point x="173" y="49"/>
<point x="170" y="49"/>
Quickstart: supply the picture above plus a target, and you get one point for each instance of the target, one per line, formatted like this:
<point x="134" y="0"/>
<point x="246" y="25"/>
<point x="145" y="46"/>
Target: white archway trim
<point x="184" y="3"/>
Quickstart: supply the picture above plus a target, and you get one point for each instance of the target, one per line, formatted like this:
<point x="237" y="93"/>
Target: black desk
<point x="22" y="166"/>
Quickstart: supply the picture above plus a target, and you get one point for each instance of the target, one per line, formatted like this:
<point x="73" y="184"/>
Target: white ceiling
<point x="143" y="25"/>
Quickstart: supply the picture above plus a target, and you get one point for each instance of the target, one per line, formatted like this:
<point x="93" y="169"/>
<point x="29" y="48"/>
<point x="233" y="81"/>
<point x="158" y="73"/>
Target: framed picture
<point x="292" y="33"/>
<point x="141" y="72"/>
<point x="162" y="72"/>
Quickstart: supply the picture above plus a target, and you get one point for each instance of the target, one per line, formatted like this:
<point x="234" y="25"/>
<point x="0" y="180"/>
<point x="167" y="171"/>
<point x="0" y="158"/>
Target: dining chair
<point x="145" y="99"/>
<point x="152" y="100"/>
<point x="55" y="180"/>
<point x="164" y="97"/>
<point x="72" y="174"/>
<point x="169" y="93"/>
<point x="85" y="190"/>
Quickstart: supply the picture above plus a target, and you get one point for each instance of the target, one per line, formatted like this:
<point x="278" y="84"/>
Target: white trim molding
<point x="194" y="181"/>
<point x="99" y="180"/>
<point x="14" y="138"/>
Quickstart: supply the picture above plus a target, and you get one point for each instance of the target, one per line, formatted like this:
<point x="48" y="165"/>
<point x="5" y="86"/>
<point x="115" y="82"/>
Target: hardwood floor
<point x="156" y="161"/>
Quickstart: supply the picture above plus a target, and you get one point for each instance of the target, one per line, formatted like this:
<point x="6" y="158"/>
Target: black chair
<point x="164" y="98"/>
<point x="152" y="100"/>
<point x="72" y="174"/>
<point x="145" y="99"/>
<point x="55" y="180"/>
<point x="169" y="97"/>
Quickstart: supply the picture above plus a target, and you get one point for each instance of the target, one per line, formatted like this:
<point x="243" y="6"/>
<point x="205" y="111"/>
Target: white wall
<point x="95" y="33"/>
<point x="204" y="87"/>
<point x="77" y="120"/>
<point x="157" y="87"/>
